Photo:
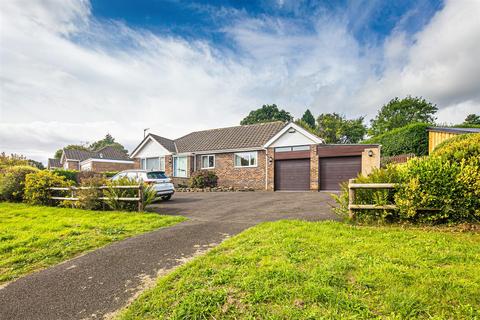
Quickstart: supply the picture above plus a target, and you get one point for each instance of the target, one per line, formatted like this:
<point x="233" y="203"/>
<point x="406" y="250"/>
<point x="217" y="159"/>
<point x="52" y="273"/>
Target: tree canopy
<point x="108" y="141"/>
<point x="334" y="128"/>
<point x="308" y="119"/>
<point x="399" y="113"/>
<point x="267" y="113"/>
<point x="472" y="119"/>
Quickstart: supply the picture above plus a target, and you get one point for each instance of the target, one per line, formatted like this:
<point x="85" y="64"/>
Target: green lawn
<point x="306" y="270"/>
<point x="33" y="237"/>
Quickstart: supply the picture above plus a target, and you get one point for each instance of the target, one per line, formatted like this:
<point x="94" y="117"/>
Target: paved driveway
<point x="249" y="207"/>
<point x="101" y="282"/>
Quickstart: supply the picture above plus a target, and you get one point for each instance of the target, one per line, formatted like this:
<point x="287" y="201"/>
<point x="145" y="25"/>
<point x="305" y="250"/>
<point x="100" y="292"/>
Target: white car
<point x="161" y="183"/>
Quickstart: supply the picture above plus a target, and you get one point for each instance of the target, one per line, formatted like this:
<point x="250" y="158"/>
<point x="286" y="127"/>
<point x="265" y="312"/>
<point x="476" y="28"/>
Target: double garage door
<point x="294" y="175"/>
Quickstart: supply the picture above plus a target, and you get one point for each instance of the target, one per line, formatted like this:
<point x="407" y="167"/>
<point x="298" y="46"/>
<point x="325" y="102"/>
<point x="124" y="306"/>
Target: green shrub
<point x="448" y="180"/>
<point x="203" y="179"/>
<point x="12" y="182"/>
<point x="149" y="194"/>
<point x="71" y="175"/>
<point x="38" y="184"/>
<point x="89" y="198"/>
<point x="430" y="183"/>
<point x="409" y="139"/>
<point x="460" y="147"/>
<point x="389" y="174"/>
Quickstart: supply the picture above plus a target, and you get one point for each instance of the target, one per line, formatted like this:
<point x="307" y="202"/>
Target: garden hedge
<point x="409" y="139"/>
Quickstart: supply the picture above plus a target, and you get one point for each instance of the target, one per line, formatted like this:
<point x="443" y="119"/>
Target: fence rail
<point x="352" y="186"/>
<point x="73" y="197"/>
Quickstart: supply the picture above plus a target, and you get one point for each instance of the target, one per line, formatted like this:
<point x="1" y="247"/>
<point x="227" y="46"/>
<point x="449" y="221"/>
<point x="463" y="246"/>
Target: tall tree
<point x="308" y="119"/>
<point x="108" y="141"/>
<point x="267" y="113"/>
<point x="472" y="119"/>
<point x="399" y="113"/>
<point x="334" y="128"/>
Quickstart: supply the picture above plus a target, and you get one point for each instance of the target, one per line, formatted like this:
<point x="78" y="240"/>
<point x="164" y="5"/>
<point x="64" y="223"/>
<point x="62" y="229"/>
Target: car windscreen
<point x="156" y="175"/>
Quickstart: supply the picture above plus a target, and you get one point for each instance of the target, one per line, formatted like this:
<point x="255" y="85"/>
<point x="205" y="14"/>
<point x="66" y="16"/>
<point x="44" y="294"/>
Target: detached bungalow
<point x="105" y="159"/>
<point x="268" y="156"/>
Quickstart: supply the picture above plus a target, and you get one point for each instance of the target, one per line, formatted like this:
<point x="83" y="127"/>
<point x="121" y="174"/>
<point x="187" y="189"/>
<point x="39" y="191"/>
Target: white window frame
<point x="249" y="158"/>
<point x="208" y="161"/>
<point x="143" y="162"/>
<point x="175" y="166"/>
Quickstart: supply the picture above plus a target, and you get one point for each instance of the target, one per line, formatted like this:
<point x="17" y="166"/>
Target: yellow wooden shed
<point x="437" y="135"/>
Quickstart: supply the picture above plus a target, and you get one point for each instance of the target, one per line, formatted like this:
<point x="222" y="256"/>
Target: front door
<point x="180" y="167"/>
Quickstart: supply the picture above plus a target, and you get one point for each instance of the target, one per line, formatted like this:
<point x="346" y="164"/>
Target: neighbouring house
<point x="53" y="163"/>
<point x="268" y="156"/>
<point x="437" y="135"/>
<point x="105" y="159"/>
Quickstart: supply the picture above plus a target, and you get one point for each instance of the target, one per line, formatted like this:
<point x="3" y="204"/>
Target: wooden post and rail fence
<point x="73" y="197"/>
<point x="352" y="186"/>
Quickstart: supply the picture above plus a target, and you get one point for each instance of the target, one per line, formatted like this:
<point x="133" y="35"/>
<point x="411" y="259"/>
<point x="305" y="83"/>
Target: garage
<point x="335" y="170"/>
<point x="292" y="175"/>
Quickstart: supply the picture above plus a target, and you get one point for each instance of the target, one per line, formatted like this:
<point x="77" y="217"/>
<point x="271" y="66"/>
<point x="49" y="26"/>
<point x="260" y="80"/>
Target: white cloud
<point x="66" y="78"/>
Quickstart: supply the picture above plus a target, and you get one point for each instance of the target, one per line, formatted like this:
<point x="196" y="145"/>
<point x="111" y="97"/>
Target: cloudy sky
<point x="73" y="70"/>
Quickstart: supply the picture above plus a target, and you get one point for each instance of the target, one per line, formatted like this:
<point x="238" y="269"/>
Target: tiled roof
<point x="239" y="137"/>
<point x="108" y="153"/>
<point x="54" y="163"/>
<point x="73" y="154"/>
<point x="167" y="143"/>
<point x="454" y="130"/>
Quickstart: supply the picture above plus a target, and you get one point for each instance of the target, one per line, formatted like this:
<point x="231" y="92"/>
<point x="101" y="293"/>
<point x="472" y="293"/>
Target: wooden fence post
<point x="140" y="200"/>
<point x="351" y="198"/>
<point x="72" y="195"/>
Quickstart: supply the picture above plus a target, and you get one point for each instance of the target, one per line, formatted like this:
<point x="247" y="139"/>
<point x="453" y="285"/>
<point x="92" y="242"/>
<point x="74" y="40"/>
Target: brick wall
<point x="110" y="166"/>
<point x="230" y="176"/>
<point x="271" y="169"/>
<point x="72" y="165"/>
<point x="314" y="161"/>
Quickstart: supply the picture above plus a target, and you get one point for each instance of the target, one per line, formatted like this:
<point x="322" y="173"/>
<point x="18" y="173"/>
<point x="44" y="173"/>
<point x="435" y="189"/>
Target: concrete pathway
<point x="103" y="281"/>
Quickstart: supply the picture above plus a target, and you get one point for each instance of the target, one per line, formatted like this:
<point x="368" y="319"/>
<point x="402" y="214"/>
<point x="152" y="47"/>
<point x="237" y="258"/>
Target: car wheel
<point x="167" y="197"/>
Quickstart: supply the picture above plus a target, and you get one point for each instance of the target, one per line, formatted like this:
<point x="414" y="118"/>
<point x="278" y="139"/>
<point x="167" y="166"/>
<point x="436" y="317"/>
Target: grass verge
<point x="33" y="237"/>
<point x="306" y="270"/>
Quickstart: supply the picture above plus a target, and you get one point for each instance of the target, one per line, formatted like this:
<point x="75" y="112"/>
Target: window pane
<point x="283" y="149"/>
<point x="153" y="163"/>
<point x="301" y="148"/>
<point x="253" y="158"/>
<point x="246" y="159"/>
<point x="211" y="161"/>
<point x="204" y="161"/>
<point x="162" y="163"/>
<point x="144" y="166"/>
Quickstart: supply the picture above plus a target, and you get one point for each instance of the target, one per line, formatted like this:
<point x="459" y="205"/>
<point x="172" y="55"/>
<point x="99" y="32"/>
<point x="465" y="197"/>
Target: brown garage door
<point x="333" y="171"/>
<point x="292" y="174"/>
